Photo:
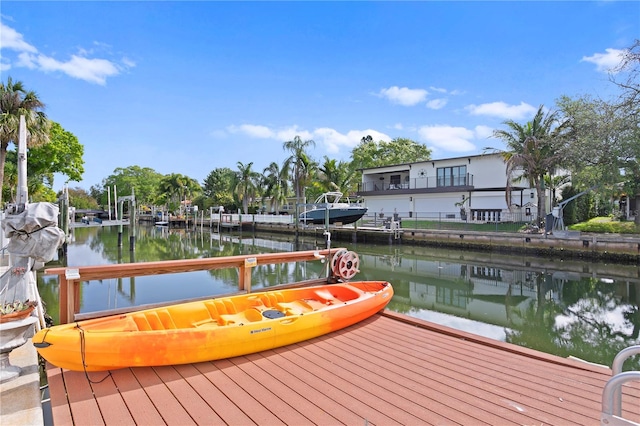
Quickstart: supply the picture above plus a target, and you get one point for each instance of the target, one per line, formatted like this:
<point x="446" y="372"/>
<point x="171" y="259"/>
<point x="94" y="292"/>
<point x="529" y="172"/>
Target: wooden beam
<point x="122" y="270"/>
<point x="70" y="278"/>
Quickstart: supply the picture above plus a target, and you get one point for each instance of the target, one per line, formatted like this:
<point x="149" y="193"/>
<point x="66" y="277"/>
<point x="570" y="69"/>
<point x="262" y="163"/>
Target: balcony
<point x="417" y="185"/>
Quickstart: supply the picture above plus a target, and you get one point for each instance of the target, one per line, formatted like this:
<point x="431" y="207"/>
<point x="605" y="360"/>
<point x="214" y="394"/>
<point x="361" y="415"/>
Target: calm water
<point x="587" y="310"/>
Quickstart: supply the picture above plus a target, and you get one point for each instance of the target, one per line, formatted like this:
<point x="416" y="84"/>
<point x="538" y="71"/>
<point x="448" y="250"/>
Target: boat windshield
<point x="329" y="197"/>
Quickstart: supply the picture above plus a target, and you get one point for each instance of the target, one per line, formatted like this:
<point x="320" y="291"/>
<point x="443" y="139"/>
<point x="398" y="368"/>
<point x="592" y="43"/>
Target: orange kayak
<point x="211" y="329"/>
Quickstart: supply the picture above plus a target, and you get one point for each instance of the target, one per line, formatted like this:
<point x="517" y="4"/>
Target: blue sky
<point x="186" y="87"/>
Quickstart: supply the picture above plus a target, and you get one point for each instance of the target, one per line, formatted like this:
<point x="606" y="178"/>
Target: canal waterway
<point x="569" y="308"/>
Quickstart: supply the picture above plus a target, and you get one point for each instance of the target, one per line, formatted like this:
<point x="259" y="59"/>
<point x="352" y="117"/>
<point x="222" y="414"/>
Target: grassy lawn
<point x="597" y="225"/>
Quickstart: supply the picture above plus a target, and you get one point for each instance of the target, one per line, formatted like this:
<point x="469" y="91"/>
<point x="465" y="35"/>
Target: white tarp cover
<point x="34" y="233"/>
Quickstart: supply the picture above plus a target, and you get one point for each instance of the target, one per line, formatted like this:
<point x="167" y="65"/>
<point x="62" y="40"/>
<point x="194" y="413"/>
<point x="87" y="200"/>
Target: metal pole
<point x="23" y="192"/>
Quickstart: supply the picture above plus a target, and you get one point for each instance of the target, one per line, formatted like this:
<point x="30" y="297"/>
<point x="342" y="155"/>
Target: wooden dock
<point x="389" y="369"/>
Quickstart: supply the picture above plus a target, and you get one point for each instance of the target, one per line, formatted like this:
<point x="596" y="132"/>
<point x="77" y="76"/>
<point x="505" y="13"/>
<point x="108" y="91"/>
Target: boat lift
<point x="558" y="211"/>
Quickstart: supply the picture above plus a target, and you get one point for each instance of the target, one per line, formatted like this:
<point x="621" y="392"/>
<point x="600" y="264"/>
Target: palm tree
<point x="335" y="175"/>
<point x="531" y="152"/>
<point x="175" y="186"/>
<point x="246" y="186"/>
<point x="276" y="181"/>
<point x="15" y="101"/>
<point x="553" y="183"/>
<point x="302" y="165"/>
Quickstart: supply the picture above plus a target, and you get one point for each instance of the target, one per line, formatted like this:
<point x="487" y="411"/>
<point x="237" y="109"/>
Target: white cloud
<point x="403" y="95"/>
<point x="438" y="89"/>
<point x="605" y="62"/>
<point x="437" y="103"/>
<point x="448" y="138"/>
<point x="331" y="139"/>
<point x="334" y="140"/>
<point x="291" y="132"/>
<point x="93" y="70"/>
<point x="503" y="110"/>
<point x="11" y="39"/>
<point x="251" y="130"/>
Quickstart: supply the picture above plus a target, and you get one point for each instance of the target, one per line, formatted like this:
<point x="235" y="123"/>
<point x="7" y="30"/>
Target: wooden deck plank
<point x="254" y="392"/>
<point x="325" y="411"/>
<point x="112" y="406"/>
<point x="408" y="409"/>
<point x="267" y="369"/>
<point x="228" y="412"/>
<point x="481" y="379"/>
<point x="389" y="369"/>
<point x="506" y="380"/>
<point x="358" y="400"/>
<point x="84" y="406"/>
<point x="215" y="371"/>
<point x="169" y="408"/>
<point x="402" y="393"/>
<point x="267" y="391"/>
<point x="60" y="407"/>
<point x="190" y="400"/>
<point x="136" y="399"/>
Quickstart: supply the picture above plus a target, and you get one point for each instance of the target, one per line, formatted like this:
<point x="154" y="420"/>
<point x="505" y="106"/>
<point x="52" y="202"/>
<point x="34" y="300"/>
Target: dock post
<point x="132" y="222"/>
<point x="119" y="217"/>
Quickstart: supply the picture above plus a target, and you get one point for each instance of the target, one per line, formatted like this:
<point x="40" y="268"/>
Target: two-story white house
<point x="470" y="188"/>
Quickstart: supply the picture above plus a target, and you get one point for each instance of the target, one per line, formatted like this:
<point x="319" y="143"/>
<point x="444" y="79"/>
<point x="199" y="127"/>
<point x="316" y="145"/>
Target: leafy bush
<point x="606" y="225"/>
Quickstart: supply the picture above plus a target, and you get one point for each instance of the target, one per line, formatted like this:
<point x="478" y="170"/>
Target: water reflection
<point x="586" y="310"/>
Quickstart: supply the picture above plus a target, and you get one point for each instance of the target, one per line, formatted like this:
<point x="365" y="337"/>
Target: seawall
<point x="613" y="247"/>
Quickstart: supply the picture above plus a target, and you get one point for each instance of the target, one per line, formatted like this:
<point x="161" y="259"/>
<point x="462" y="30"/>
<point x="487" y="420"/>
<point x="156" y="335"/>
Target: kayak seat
<point x="317" y="303"/>
<point x="166" y="320"/>
<point x="141" y="322"/>
<point x="246" y="316"/>
<point x="160" y="320"/>
<point x="326" y="297"/>
<point x="296" y="307"/>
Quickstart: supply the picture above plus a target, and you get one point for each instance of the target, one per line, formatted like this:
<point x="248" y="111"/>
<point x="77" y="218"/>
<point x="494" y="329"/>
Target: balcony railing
<point x="430" y="182"/>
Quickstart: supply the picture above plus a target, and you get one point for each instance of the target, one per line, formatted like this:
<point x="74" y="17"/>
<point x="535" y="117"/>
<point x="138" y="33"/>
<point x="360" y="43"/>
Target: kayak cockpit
<point x="227" y="311"/>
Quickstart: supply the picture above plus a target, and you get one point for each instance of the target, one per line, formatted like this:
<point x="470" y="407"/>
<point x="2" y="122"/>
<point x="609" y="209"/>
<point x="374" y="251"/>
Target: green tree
<point x="15" y="101"/>
<point x="246" y="184"/>
<point x="369" y="153"/>
<point x="143" y="181"/>
<point x="218" y="188"/>
<point x="276" y="183"/>
<point x="62" y="154"/>
<point x="81" y="199"/>
<point x="300" y="163"/>
<point x="604" y="140"/>
<point x="531" y="152"/>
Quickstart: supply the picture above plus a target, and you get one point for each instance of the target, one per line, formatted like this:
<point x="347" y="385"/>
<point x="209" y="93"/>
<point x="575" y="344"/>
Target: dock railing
<point x="69" y="278"/>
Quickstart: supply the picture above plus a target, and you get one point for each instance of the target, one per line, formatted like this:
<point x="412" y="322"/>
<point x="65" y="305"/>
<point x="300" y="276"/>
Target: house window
<point x="452" y="176"/>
